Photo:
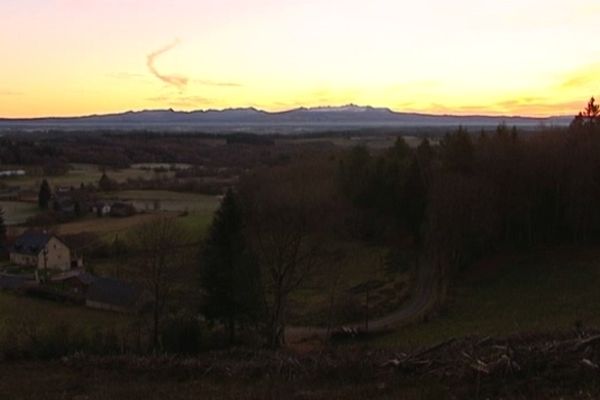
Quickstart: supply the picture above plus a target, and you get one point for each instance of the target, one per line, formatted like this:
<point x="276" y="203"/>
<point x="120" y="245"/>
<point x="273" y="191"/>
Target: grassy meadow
<point x="145" y="200"/>
<point x="17" y="212"/>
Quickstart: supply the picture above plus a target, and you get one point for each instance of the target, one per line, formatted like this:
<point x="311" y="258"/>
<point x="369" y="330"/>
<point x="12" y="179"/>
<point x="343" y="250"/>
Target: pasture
<point x="17" y="212"/>
<point x="148" y="200"/>
<point x="86" y="174"/>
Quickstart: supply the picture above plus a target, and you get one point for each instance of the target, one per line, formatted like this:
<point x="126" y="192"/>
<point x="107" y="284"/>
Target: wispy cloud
<point x="582" y="78"/>
<point x="175" y="80"/>
<point x="205" y="82"/>
<point x="10" y="93"/>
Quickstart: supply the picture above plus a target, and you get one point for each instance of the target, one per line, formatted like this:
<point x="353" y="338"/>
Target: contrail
<point x="175" y="80"/>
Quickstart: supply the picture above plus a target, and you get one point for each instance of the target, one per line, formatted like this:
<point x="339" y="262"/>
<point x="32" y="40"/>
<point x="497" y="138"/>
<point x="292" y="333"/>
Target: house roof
<point x="86" y="279"/>
<point x="114" y="292"/>
<point x="31" y="243"/>
<point x="83" y="277"/>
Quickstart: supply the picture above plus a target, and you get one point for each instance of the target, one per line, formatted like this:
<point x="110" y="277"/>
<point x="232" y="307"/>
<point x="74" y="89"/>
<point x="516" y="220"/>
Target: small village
<point x="42" y="264"/>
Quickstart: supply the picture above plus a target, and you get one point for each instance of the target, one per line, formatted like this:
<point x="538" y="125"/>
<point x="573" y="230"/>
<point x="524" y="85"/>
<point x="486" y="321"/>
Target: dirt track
<point x="412" y="310"/>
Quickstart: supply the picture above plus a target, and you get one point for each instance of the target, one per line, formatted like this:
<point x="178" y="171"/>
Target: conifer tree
<point x="44" y="195"/>
<point x="229" y="272"/>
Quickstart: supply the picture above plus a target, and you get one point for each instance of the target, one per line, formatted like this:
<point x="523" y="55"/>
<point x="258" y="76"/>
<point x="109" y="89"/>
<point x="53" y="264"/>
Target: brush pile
<point x="523" y="365"/>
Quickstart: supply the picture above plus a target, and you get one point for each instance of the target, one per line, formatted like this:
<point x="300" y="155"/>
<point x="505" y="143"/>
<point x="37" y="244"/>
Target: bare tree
<point x="289" y="209"/>
<point x="160" y="265"/>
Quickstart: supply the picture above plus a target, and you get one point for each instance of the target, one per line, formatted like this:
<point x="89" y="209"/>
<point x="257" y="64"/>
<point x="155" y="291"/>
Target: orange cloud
<point x="175" y="80"/>
<point x="582" y="78"/>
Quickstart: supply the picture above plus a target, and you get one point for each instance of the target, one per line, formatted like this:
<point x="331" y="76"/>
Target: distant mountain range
<point x="318" y="118"/>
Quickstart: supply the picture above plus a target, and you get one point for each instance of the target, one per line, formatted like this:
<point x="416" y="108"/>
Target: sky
<point x="511" y="57"/>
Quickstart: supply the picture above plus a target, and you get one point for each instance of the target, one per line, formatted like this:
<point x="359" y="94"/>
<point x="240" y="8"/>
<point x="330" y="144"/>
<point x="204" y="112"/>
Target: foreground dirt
<point x="558" y="366"/>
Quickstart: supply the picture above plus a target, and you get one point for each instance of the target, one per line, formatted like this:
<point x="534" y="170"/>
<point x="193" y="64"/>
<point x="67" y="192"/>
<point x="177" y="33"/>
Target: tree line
<point x="447" y="203"/>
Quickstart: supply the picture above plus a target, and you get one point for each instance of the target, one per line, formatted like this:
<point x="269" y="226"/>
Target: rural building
<point x="122" y="210"/>
<point x="70" y="201"/>
<point x="101" y="209"/>
<point x="10" y="173"/>
<point x="64" y="205"/>
<point x="41" y="250"/>
<point x="114" y="295"/>
<point x="75" y="281"/>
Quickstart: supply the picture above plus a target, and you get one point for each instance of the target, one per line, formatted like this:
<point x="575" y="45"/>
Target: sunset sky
<point x="74" y="57"/>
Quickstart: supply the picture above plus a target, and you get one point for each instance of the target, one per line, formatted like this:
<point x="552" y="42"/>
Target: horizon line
<point x="275" y="112"/>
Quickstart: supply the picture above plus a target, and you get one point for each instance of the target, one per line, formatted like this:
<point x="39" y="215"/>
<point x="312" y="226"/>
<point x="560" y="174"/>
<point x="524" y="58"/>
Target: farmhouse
<point x="101" y="209"/>
<point x="41" y="250"/>
<point x="75" y="281"/>
<point x="10" y="173"/>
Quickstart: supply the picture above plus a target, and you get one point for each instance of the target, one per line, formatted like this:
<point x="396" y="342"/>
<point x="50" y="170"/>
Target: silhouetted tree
<point x="457" y="152"/>
<point x="2" y="230"/>
<point x="159" y="266"/>
<point x="229" y="272"/>
<point x="44" y="196"/>
<point x="289" y="211"/>
<point x="589" y="119"/>
<point x="105" y="183"/>
<point x="354" y="174"/>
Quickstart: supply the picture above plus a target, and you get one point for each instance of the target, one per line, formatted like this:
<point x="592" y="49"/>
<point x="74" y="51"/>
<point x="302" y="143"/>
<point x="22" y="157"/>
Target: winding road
<point x="416" y="307"/>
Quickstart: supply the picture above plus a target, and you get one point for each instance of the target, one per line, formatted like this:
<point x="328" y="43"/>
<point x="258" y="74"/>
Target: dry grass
<point x="25" y="311"/>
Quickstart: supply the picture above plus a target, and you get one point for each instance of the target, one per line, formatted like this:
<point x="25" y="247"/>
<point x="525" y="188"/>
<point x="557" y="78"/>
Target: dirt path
<point x="413" y="309"/>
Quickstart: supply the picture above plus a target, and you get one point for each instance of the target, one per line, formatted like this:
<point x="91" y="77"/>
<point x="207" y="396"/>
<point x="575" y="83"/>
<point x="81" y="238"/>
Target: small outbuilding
<point x="101" y="209"/>
<point x="75" y="281"/>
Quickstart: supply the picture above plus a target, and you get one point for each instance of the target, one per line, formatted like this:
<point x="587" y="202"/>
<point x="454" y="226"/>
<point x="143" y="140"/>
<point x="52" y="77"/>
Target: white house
<point x="41" y="250"/>
<point x="101" y="209"/>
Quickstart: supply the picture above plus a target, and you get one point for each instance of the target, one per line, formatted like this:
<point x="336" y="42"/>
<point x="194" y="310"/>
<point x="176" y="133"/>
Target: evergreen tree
<point x="229" y="272"/>
<point x="457" y="151"/>
<point x="589" y="119"/>
<point x="2" y="229"/>
<point x="44" y="195"/>
<point x="105" y="183"/>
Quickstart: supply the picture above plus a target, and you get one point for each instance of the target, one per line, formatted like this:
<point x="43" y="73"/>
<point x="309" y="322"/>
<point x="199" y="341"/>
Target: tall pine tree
<point x="2" y="231"/>
<point x="44" y="195"/>
<point x="230" y="275"/>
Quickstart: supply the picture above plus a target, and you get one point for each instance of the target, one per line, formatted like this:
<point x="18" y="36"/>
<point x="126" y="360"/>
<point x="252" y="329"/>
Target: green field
<point x="84" y="173"/>
<point x="16" y="212"/>
<point x="543" y="291"/>
<point x="144" y="200"/>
